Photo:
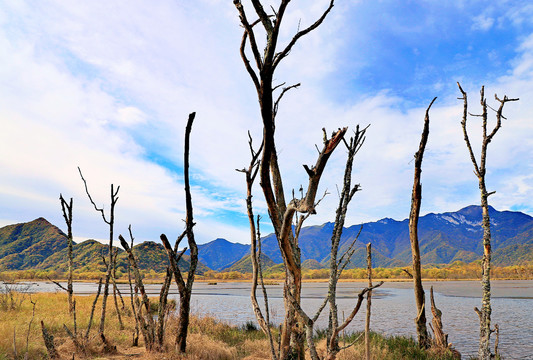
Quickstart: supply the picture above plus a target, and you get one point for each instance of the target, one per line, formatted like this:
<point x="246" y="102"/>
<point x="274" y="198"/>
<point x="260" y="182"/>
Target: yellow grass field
<point x="20" y="333"/>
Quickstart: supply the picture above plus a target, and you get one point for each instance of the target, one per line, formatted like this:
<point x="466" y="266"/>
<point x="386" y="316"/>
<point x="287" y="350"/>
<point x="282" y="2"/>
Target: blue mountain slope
<point x="444" y="238"/>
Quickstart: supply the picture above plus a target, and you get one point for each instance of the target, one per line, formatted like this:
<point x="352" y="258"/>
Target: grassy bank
<point x="20" y="332"/>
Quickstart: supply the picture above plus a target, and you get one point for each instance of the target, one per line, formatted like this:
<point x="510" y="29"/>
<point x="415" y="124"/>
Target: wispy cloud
<point x="108" y="87"/>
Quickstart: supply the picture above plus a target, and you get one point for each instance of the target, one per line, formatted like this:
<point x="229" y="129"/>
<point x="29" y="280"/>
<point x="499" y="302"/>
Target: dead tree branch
<point x="484" y="352"/>
<point x="111" y="223"/>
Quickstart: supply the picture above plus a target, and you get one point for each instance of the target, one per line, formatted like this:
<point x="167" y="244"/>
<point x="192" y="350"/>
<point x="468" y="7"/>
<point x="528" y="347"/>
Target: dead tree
<point x="67" y="215"/>
<point x="336" y="265"/>
<point x="145" y="319"/>
<point x="115" y="288"/>
<point x="49" y="342"/>
<point x="440" y="338"/>
<point x="153" y="333"/>
<point x="416" y="199"/>
<point x="485" y="330"/>
<point x="281" y="213"/>
<point x="255" y="249"/>
<point x="133" y="296"/>
<point x="88" y="331"/>
<point x="368" y="300"/>
<point x="73" y="334"/>
<point x="184" y="287"/>
<point x="335" y="331"/>
<point x="110" y="222"/>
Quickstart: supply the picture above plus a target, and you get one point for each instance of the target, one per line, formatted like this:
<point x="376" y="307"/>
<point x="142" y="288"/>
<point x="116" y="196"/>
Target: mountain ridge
<point x="444" y="238"/>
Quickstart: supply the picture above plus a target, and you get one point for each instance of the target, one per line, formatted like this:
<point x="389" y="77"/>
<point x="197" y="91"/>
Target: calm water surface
<point x="393" y="308"/>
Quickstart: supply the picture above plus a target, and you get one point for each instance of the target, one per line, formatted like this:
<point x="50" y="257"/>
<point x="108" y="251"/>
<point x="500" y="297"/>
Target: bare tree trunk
<point x="67" y="215"/>
<point x="28" y="333"/>
<point x="497" y="341"/>
<point x="111" y="264"/>
<point x="92" y="310"/>
<point x="255" y="249"/>
<point x="416" y="199"/>
<point x="484" y="352"/>
<point x="49" y="342"/>
<point x="292" y="336"/>
<point x="146" y="321"/>
<point x="368" y="299"/>
<point x="163" y="309"/>
<point x="115" y="289"/>
<point x="184" y="288"/>
<point x="441" y="339"/>
<point x="336" y="266"/>
<point x="135" y="340"/>
<point x="154" y="334"/>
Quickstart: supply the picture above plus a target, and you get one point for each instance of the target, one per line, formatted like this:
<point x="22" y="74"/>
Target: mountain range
<point x="40" y="245"/>
<point x="444" y="238"/>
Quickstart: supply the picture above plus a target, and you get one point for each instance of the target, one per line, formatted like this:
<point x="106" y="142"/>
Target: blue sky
<point x="107" y="86"/>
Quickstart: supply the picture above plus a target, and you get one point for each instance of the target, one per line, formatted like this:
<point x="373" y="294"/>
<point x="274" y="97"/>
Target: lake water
<point x="393" y="308"/>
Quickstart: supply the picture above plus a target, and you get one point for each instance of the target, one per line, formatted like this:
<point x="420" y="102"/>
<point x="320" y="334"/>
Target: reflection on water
<point x="393" y="308"/>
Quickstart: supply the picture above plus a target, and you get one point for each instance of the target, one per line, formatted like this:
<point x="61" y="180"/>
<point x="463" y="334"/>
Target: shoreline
<point x="266" y="281"/>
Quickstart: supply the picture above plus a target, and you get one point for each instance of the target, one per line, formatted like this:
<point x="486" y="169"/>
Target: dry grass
<point x="208" y="339"/>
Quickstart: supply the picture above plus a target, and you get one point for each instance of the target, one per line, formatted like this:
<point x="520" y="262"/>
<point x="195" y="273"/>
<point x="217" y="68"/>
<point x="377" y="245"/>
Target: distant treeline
<point x="456" y="271"/>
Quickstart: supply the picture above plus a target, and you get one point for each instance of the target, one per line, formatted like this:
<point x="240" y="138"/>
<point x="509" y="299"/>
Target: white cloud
<point x="130" y="115"/>
<point x="108" y="87"/>
<point x="482" y="22"/>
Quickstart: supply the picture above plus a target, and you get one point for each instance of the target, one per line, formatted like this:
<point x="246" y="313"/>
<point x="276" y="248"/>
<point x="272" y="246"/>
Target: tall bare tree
<point x="485" y="330"/>
<point x="416" y="199"/>
<point x="255" y="249"/>
<point x="368" y="300"/>
<point x="67" y="215"/>
<point x="281" y="213"/>
<point x="184" y="287"/>
<point x="110" y="265"/>
<point x="336" y="265"/>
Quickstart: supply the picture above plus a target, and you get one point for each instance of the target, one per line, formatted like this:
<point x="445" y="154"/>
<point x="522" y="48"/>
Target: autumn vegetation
<point x="456" y="271"/>
<point x="20" y="333"/>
